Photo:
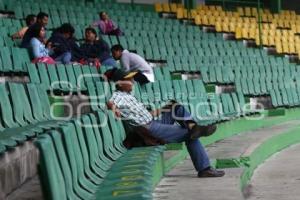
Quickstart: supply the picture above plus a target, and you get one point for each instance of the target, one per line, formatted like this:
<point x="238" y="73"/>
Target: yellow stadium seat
<point x="244" y="33"/>
<point x="232" y="26"/>
<point x="264" y="40"/>
<point x="225" y="26"/>
<point x="292" y="48"/>
<point x="166" y="7"/>
<point x="247" y="11"/>
<point x="279" y="48"/>
<point x="180" y="5"/>
<point x="222" y="14"/>
<point x="200" y="7"/>
<point x="271" y="41"/>
<point x="238" y="33"/>
<point x="240" y="10"/>
<point x="193" y="13"/>
<point x="285" y="48"/>
<point x="198" y="20"/>
<point x="179" y="13"/>
<point x="158" y="7"/>
<point x="211" y="20"/>
<point x="254" y="12"/>
<point x="218" y="26"/>
<point x="264" y="18"/>
<point x="219" y="8"/>
<point x="212" y="8"/>
<point x="252" y="32"/>
<point x="205" y="20"/>
<point x="173" y="7"/>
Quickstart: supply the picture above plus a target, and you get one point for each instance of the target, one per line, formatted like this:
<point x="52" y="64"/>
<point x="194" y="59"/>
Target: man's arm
<point x="125" y="63"/>
<point x="113" y="107"/>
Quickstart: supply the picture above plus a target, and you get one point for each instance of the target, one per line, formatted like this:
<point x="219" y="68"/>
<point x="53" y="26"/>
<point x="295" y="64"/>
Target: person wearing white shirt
<point x="132" y="62"/>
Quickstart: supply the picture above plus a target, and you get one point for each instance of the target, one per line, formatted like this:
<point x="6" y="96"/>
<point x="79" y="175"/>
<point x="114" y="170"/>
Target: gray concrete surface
<point x="279" y="177"/>
<point x="181" y="183"/>
<point x="31" y="190"/>
<point x="16" y="167"/>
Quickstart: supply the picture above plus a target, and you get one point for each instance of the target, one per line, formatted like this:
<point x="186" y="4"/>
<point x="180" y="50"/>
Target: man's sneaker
<point x="202" y="131"/>
<point x="211" y="172"/>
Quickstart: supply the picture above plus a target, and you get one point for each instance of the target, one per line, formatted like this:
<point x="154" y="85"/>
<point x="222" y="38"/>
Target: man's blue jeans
<point x="64" y="58"/>
<point x="109" y="62"/>
<point x="171" y="132"/>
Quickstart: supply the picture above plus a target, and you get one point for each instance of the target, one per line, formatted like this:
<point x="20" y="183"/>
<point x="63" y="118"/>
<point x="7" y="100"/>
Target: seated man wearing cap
<point x="175" y="123"/>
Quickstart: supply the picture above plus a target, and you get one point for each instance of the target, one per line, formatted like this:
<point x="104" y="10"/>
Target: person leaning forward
<point x="175" y="123"/>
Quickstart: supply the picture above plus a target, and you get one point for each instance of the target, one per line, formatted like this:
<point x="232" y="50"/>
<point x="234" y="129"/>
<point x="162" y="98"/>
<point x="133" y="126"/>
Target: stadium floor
<point x="181" y="182"/>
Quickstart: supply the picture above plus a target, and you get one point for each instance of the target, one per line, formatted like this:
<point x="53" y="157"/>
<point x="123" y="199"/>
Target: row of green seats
<point x="216" y="74"/>
<point x="86" y="159"/>
<point x="99" y="94"/>
<point x="212" y="108"/>
<point x="25" y="113"/>
<point x="262" y="85"/>
<point x="8" y="31"/>
<point x="47" y="5"/>
<point x="6" y="41"/>
<point x="285" y="97"/>
<point x="265" y="71"/>
<point x="10" y="59"/>
<point x="63" y="77"/>
<point x="164" y="90"/>
<point x="7" y="22"/>
<point x="22" y="9"/>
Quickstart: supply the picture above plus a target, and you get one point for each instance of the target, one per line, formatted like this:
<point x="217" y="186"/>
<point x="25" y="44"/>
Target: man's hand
<point x="155" y="113"/>
<point x="112" y="106"/>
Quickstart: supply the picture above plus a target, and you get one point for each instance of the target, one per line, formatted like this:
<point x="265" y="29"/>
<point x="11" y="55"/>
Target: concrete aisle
<point x="181" y="183"/>
<point x="279" y="177"/>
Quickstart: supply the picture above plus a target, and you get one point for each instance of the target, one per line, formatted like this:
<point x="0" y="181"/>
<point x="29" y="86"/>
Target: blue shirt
<point x="38" y="49"/>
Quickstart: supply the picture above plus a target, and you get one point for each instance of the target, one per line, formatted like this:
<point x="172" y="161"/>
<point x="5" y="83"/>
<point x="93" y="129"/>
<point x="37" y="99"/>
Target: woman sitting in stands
<point x="39" y="52"/>
<point x="107" y="26"/>
<point x="30" y="20"/>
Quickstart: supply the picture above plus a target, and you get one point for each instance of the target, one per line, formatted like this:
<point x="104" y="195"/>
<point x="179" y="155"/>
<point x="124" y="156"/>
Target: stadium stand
<point x="78" y="159"/>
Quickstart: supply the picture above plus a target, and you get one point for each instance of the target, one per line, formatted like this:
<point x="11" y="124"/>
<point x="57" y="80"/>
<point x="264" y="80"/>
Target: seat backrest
<point x="50" y="171"/>
<point x="6" y="108"/>
<point x="21" y="105"/>
<point x="5" y="55"/>
<point x="36" y="104"/>
<point x="63" y="163"/>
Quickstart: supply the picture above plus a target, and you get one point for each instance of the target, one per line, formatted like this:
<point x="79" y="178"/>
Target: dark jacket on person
<point x="99" y="49"/>
<point x="62" y="45"/>
<point x="27" y="36"/>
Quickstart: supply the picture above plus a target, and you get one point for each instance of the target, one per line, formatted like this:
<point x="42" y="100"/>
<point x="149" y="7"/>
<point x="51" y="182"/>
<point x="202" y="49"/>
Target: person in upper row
<point x="30" y="20"/>
<point x="106" y="25"/>
<point x="41" y="19"/>
<point x="38" y="51"/>
<point x="96" y="49"/>
<point x="62" y="39"/>
<point x="133" y="62"/>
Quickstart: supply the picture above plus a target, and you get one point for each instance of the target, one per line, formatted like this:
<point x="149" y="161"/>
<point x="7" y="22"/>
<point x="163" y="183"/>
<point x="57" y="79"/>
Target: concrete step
<point x="278" y="178"/>
<point x="182" y="182"/>
<point x="31" y="190"/>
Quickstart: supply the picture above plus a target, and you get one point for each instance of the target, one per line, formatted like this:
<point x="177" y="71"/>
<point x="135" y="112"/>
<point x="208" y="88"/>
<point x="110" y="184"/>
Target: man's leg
<point x="109" y="62"/>
<point x="172" y="133"/>
<point x="198" y="154"/>
<point x="64" y="58"/>
<point x="176" y="112"/>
